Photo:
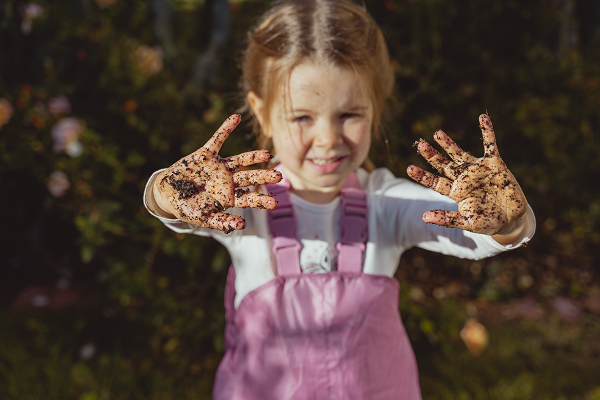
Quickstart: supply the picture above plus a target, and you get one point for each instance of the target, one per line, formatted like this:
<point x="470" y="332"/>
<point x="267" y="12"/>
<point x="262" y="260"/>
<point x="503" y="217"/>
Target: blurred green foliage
<point x="147" y="82"/>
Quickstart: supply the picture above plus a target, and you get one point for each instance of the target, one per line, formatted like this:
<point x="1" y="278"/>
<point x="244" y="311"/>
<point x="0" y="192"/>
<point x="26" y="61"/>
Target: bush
<point x="95" y="96"/>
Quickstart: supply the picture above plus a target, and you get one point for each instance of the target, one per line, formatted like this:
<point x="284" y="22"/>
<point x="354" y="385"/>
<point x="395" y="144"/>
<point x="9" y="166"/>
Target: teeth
<point x="320" y="161"/>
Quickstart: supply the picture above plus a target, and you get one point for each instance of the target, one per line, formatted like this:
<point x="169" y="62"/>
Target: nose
<point x="329" y="134"/>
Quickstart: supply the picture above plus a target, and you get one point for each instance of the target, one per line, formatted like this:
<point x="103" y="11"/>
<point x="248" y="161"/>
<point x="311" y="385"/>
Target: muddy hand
<point x="490" y="201"/>
<point x="200" y="186"/>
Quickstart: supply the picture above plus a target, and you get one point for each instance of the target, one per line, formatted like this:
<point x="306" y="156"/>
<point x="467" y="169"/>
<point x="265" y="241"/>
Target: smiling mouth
<point x="325" y="161"/>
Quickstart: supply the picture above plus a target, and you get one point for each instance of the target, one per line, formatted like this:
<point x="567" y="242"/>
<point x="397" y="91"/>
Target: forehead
<point x="315" y="85"/>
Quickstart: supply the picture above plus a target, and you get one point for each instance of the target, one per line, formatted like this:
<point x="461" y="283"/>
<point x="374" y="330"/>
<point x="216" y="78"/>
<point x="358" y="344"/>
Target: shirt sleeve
<point x="399" y="205"/>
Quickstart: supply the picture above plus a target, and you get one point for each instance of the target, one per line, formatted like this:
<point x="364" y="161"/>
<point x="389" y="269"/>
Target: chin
<point x="330" y="181"/>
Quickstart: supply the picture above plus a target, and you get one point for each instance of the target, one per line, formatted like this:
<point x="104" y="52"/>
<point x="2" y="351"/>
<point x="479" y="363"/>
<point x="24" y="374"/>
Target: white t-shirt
<point x="395" y="225"/>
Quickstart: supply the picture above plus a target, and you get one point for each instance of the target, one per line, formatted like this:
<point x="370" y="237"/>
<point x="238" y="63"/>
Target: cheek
<point x="287" y="140"/>
<point x="360" y="138"/>
<point x="365" y="146"/>
<point x="367" y="143"/>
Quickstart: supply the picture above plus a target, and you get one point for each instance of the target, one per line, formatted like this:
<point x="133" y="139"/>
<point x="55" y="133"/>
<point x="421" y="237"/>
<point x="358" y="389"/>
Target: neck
<point x="316" y="196"/>
<point x="312" y="194"/>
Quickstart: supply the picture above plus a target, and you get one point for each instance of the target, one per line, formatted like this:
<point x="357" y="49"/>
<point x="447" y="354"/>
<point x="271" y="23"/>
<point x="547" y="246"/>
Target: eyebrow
<point x="298" y="110"/>
<point x="352" y="108"/>
<point x="358" y="108"/>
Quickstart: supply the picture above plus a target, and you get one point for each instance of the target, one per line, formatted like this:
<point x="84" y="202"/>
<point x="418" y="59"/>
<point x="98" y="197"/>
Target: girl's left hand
<point x="490" y="201"/>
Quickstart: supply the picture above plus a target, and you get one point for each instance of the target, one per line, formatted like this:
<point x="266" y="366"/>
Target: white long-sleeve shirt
<point x="396" y="206"/>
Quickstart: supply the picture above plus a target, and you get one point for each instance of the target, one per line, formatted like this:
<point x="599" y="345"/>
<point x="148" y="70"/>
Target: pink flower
<point x="58" y="184"/>
<point x="6" y="112"/>
<point x="66" y="133"/>
<point x="59" y="105"/>
<point x="30" y="12"/>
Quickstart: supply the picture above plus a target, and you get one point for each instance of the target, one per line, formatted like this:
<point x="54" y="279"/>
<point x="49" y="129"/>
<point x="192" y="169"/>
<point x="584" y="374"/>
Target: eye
<point x="304" y="118"/>
<point x="346" y="116"/>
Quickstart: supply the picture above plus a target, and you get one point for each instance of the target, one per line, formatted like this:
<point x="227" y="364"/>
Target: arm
<point x="489" y="198"/>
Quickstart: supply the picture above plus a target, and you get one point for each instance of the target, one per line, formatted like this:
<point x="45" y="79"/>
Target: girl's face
<point x="321" y="129"/>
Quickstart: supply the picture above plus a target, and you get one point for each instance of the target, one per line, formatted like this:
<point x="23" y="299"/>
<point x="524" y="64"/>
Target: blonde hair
<point x="331" y="32"/>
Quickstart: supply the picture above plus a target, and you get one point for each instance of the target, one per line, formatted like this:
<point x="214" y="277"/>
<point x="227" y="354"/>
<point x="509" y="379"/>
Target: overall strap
<point x="353" y="229"/>
<point x="353" y="224"/>
<point x="283" y="230"/>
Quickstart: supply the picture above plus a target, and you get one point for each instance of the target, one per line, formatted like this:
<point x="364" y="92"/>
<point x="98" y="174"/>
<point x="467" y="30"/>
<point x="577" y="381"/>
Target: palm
<point x="200" y="186"/>
<point x="489" y="197"/>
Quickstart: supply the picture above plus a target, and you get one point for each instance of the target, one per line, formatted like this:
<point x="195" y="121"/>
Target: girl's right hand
<point x="200" y="186"/>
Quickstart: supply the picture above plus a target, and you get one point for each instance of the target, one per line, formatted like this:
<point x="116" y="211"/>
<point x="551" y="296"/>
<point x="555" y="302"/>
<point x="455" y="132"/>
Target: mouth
<point x="326" y="165"/>
<point x="324" y="161"/>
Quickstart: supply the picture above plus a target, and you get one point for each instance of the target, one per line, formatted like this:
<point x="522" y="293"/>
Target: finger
<point x="245" y="159"/>
<point x="245" y="198"/>
<point x="216" y="141"/>
<point x="449" y="219"/>
<point x="484" y="224"/>
<point x="439" y="184"/>
<point x="256" y="177"/>
<point x="453" y="219"/>
<point x="489" y="137"/>
<point x="444" y="166"/>
<point x="225" y="222"/>
<point x="454" y="151"/>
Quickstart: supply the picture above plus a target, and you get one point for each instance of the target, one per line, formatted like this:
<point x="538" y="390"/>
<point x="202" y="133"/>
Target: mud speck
<point x="240" y="192"/>
<point x="186" y="189"/>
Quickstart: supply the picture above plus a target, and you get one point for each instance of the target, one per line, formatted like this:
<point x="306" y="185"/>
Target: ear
<point x="258" y="108"/>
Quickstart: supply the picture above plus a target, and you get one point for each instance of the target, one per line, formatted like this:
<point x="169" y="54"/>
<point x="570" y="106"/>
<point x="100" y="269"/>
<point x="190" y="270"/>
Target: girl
<point x="312" y="306"/>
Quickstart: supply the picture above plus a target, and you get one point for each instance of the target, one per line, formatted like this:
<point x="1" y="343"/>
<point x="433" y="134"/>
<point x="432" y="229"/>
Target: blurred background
<point x="98" y="300"/>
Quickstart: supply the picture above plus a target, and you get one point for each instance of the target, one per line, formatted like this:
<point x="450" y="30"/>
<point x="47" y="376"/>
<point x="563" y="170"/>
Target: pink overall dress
<point x="317" y="336"/>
